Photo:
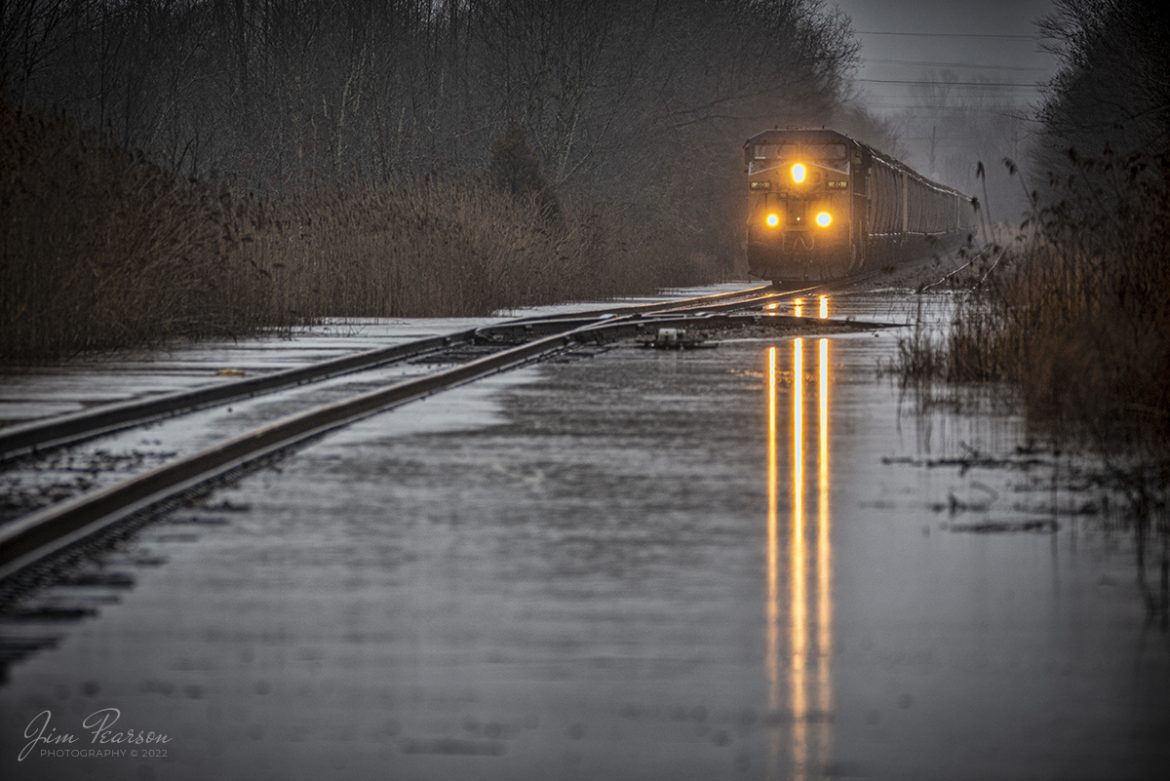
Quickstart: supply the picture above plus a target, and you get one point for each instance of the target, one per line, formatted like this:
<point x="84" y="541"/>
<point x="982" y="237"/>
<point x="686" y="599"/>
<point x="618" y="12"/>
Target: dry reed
<point x="1075" y="315"/>
<point x="1076" y="311"/>
<point x="99" y="249"/>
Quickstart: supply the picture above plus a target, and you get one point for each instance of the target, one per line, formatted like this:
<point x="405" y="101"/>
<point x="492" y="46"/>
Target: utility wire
<point x="1004" y="37"/>
<point x="960" y="109"/>
<point x="1035" y="85"/>
<point x="933" y="64"/>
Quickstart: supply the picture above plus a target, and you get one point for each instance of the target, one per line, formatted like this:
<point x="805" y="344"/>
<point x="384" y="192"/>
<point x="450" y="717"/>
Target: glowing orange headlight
<point x="772" y="219"/>
<point x="824" y="219"/>
<point x="799" y="172"/>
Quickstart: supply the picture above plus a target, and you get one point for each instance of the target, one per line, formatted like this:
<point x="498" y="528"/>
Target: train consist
<point x="822" y="205"/>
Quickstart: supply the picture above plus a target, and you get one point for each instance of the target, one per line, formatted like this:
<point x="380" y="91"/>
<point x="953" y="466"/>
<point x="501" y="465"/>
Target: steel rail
<point x="38" y="536"/>
<point x="47" y="435"/>
<point x="745" y="299"/>
<point x="34" y="537"/>
<point x="42" y="436"/>
<point x="654" y="306"/>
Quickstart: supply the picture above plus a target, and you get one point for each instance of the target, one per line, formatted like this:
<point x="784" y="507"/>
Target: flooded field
<point x="753" y="561"/>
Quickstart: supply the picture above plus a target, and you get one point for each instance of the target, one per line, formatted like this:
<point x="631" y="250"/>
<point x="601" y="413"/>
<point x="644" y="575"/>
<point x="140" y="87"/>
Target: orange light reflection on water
<point x="797" y="598"/>
<point x="772" y="660"/>
<point x="824" y="553"/>
<point x="800" y="656"/>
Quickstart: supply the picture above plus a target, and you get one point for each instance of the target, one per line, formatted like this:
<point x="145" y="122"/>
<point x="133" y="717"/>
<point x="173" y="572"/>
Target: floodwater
<point x="747" y="562"/>
<point x="31" y="393"/>
<point x="34" y="482"/>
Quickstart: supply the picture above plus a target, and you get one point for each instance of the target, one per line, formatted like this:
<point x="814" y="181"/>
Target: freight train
<point x="822" y="205"/>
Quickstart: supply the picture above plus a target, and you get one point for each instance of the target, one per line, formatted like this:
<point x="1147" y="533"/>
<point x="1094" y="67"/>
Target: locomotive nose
<point x="797" y="216"/>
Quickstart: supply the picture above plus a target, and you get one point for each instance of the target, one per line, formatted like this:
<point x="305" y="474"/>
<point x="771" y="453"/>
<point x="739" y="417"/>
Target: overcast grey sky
<point x="938" y="35"/>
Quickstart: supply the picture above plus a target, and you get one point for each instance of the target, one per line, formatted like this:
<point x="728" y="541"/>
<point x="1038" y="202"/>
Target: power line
<point x="1008" y="112"/>
<point x="955" y="83"/>
<point x="934" y="64"/>
<point x="1004" y="110"/>
<point x="1005" y="37"/>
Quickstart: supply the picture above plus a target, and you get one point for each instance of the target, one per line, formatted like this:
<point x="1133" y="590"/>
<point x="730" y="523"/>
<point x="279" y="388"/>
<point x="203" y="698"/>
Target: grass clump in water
<point x="1074" y="315"/>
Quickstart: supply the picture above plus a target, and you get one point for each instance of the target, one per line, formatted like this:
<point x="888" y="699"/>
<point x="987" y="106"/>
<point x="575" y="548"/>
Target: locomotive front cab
<point x="800" y="222"/>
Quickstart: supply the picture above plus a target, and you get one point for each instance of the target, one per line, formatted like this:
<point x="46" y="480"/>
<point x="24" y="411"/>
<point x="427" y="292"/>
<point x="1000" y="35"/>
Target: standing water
<point x="742" y="562"/>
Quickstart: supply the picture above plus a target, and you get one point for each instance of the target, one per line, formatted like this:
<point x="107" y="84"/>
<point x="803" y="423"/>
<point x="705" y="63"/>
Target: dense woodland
<point x="1111" y="98"/>
<point x="282" y="94"/>
<point x="618" y="123"/>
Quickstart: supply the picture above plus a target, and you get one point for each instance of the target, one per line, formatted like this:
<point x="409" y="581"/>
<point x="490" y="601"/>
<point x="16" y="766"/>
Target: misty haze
<point x="584" y="389"/>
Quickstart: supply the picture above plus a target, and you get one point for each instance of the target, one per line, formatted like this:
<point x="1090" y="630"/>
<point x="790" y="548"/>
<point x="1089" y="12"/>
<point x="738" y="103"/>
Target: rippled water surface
<point x="751" y="561"/>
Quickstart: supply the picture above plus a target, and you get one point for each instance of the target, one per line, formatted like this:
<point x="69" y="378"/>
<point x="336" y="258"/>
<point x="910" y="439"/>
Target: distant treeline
<point x="1099" y="313"/>
<point x="609" y="129"/>
<point x="1111" y="98"/>
<point x="638" y="104"/>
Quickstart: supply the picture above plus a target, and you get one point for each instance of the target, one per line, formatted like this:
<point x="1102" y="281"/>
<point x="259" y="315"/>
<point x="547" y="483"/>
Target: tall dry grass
<point x="1076" y="310"/>
<point x="444" y="249"/>
<point x="99" y="248"/>
<point x="1075" y="314"/>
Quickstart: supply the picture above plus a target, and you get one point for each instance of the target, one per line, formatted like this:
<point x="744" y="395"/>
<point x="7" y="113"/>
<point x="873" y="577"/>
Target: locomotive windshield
<point x="801" y="151"/>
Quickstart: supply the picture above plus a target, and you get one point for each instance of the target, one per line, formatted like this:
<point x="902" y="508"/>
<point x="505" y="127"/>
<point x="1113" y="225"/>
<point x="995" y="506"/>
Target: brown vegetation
<point x="100" y="248"/>
<point x="1075" y="311"/>
<point x="407" y="157"/>
<point x="1075" y="315"/>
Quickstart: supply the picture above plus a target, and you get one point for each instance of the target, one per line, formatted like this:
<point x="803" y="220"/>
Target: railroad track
<point x="31" y="544"/>
<point x="45" y="436"/>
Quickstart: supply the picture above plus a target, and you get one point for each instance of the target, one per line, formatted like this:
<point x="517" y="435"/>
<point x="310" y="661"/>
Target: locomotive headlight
<point x="824" y="219"/>
<point x="799" y="172"/>
<point x="772" y="219"/>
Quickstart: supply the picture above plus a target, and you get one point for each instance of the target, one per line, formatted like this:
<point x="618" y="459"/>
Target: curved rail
<point x="42" y="533"/>
<point x="39" y="535"/>
<point x="46" y="435"/>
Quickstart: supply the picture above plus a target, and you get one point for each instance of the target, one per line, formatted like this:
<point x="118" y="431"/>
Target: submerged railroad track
<point x="35" y="545"/>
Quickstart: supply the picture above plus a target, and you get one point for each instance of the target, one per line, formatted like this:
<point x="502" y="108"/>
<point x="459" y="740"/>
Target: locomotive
<point x="822" y="205"/>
